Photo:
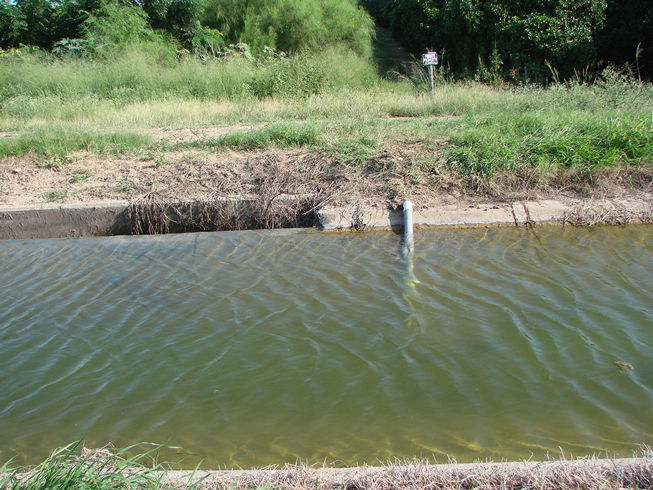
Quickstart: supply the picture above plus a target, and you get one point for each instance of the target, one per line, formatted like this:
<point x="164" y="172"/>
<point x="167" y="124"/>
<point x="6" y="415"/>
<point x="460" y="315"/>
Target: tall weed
<point x="138" y="75"/>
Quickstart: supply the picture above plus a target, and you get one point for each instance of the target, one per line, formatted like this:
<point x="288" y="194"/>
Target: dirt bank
<point x="361" y="196"/>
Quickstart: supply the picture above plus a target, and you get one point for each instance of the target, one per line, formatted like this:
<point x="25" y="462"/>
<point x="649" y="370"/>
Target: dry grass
<point x="607" y="212"/>
<point x="585" y="473"/>
<point x="151" y="217"/>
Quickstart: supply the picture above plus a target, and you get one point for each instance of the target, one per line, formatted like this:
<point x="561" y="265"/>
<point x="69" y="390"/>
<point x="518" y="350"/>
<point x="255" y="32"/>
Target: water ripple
<point x="252" y="348"/>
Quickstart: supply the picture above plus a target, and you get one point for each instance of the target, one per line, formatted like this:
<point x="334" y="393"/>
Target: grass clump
<point x="55" y="143"/>
<point x="74" y="466"/>
<point x="280" y="135"/>
<point x="55" y="195"/>
<point x="550" y="140"/>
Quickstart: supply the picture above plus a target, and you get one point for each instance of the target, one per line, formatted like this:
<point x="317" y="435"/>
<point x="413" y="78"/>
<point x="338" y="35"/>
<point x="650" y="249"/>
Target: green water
<point x="254" y="348"/>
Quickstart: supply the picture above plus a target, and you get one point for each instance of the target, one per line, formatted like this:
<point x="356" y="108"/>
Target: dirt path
<point x="389" y="54"/>
<point x="195" y="134"/>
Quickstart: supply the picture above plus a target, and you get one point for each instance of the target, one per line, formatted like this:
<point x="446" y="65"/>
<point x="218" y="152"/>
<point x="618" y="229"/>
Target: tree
<point x="12" y="24"/>
<point x="37" y="18"/>
<point x="519" y="34"/>
<point x="628" y="26"/>
<point x="291" y="25"/>
<point x="69" y="15"/>
<point x="180" y="17"/>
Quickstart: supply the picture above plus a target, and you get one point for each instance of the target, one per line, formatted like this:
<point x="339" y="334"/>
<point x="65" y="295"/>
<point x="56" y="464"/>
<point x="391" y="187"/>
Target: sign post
<point x="430" y="59"/>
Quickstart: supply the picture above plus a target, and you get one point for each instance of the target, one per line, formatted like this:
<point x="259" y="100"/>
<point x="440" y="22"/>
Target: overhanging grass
<point x="75" y="467"/>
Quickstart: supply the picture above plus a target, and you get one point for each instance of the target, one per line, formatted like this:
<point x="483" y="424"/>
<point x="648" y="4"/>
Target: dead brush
<point x="151" y="216"/>
<point x="283" y="195"/>
<point x="600" y="212"/>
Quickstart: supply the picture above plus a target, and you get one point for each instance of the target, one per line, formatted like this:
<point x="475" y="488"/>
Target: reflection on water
<point x="253" y="348"/>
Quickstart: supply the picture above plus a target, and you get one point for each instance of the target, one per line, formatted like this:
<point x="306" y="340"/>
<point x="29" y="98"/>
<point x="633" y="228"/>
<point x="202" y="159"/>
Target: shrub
<point x="292" y="25"/>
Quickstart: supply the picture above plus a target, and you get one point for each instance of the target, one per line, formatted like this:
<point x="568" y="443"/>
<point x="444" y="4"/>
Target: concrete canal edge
<point x="64" y="220"/>
<point x="519" y="213"/>
<point x="114" y="218"/>
<point x="566" y="474"/>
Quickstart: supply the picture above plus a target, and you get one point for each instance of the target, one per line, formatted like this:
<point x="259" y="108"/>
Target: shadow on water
<point x="409" y="293"/>
<point x="407" y="253"/>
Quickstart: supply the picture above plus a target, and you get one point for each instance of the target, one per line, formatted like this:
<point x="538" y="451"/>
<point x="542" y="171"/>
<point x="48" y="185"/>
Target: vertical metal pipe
<point x="408" y="219"/>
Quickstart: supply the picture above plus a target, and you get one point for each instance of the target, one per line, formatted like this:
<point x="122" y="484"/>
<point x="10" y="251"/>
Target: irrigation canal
<point x="251" y="348"/>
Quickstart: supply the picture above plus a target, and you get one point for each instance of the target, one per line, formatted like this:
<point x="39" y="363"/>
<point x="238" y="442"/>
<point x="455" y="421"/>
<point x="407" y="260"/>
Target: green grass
<point x="80" y="176"/>
<point x="549" y="140"/>
<point x="71" y="467"/>
<point x="335" y="105"/>
<point x="136" y="76"/>
<point x="280" y="135"/>
<point x="59" y="141"/>
<point x="55" y="195"/>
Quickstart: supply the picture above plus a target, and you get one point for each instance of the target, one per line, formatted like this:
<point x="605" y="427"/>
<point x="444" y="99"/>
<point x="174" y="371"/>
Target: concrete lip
<point x="63" y="220"/>
<point x="520" y="213"/>
<point x="112" y="218"/>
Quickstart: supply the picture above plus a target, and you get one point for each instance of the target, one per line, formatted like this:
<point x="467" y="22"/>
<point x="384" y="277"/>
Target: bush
<point x="299" y="76"/>
<point x="292" y="25"/>
<point x="116" y="27"/>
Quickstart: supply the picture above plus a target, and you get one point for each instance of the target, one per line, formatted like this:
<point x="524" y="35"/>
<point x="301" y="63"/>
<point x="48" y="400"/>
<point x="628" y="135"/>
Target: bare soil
<point x="186" y="135"/>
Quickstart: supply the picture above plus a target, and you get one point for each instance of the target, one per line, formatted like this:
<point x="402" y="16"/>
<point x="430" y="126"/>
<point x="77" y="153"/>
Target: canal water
<point x="255" y="348"/>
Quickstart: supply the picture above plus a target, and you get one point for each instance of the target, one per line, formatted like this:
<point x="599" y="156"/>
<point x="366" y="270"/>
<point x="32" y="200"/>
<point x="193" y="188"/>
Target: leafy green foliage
<point x="71" y="47"/>
<point x="117" y="25"/>
<point x="291" y="25"/>
<point x="12" y="24"/>
<point x="627" y="36"/>
<point x="68" y="17"/>
<point x="179" y="17"/>
<point x="522" y="34"/>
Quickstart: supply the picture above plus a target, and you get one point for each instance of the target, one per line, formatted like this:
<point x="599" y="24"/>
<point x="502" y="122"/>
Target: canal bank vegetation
<point x="466" y="138"/>
<point x="104" y="102"/>
<point x="74" y="466"/>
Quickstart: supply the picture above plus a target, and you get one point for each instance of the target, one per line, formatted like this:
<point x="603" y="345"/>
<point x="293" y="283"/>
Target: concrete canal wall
<point x="115" y="218"/>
